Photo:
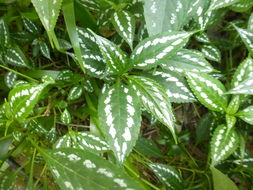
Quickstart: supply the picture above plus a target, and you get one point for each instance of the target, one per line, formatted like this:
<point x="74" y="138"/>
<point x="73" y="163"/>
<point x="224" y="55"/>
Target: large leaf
<point x="167" y="175"/>
<point x="4" y="34"/>
<point x="188" y="60"/>
<point x="216" y="4"/>
<point x="247" y="37"/>
<point x="221" y="181"/>
<point x="165" y="15"/>
<point x="154" y="99"/>
<point x="120" y="118"/>
<point x="208" y="90"/>
<point x="80" y="169"/>
<point x="223" y="144"/>
<point x="175" y="85"/>
<point x="157" y="49"/>
<point x="124" y="24"/>
<point x="246" y="114"/>
<point x="245" y="87"/>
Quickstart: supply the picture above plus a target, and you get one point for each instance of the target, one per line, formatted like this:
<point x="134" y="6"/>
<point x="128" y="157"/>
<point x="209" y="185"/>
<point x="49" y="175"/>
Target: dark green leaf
<point x="211" y="52"/>
<point x="148" y="148"/>
<point x="66" y="117"/>
<point x="44" y="50"/>
<point x="14" y="56"/>
<point x="4" y="33"/>
<point x="75" y="93"/>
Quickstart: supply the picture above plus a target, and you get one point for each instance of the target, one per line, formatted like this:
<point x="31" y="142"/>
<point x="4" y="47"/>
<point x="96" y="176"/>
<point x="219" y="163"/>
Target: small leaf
<point x="30" y="26"/>
<point x="167" y="175"/>
<point x="211" y="52"/>
<point x="80" y="169"/>
<point x="250" y="23"/>
<point x="64" y="44"/>
<point x="75" y="93"/>
<point x="120" y="119"/>
<point x="188" y="60"/>
<point x="5" y="144"/>
<point x="91" y="5"/>
<point x="124" y="24"/>
<point x="242" y="5"/>
<point x="221" y="181"/>
<point x="66" y="117"/>
<point x="8" y="180"/>
<point x="245" y="87"/>
<point x="10" y="79"/>
<point x="44" y="50"/>
<point x="208" y="90"/>
<point x="154" y="99"/>
<point x="157" y="49"/>
<point x="230" y="120"/>
<point x="247" y="37"/>
<point x="14" y="56"/>
<point x="148" y="148"/>
<point x="202" y="37"/>
<point x="244" y="162"/>
<point x="223" y="144"/>
<point x="216" y="4"/>
<point x="4" y="33"/>
<point x="246" y="115"/>
<point x="234" y="105"/>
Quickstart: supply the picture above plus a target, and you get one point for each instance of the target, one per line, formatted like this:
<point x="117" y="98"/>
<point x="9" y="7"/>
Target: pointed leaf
<point x="44" y="50"/>
<point x="246" y="115"/>
<point x="250" y="23"/>
<point x="188" y="60"/>
<point x="234" y="105"/>
<point x="247" y="37"/>
<point x="211" y="52"/>
<point x="30" y="26"/>
<point x="216" y="4"/>
<point x="245" y="87"/>
<point x="167" y="175"/>
<point x="80" y="169"/>
<point x="242" y="6"/>
<point x="148" y="148"/>
<point x="244" y="162"/>
<point x="4" y="33"/>
<point x="154" y="99"/>
<point x="208" y="90"/>
<point x="66" y="117"/>
<point x="224" y="142"/>
<point x="157" y="49"/>
<point x="120" y="119"/>
<point x="124" y="24"/>
<point x="10" y="79"/>
<point x="75" y="93"/>
<point x="202" y="37"/>
<point x="14" y="56"/>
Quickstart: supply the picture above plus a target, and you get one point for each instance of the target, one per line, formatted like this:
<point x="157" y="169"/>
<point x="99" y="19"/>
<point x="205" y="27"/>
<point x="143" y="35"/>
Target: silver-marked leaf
<point x="202" y="37"/>
<point x="87" y="40"/>
<point x="91" y="5"/>
<point x="247" y="38"/>
<point x="4" y="33"/>
<point x="216" y="4"/>
<point x="44" y="50"/>
<point x="242" y="6"/>
<point x="75" y="93"/>
<point x="84" y="141"/>
<point x="124" y="23"/>
<point x="243" y="72"/>
<point x="234" y="105"/>
<point x="79" y="169"/>
<point x="223" y="144"/>
<point x="66" y="117"/>
<point x="156" y="49"/>
<point x="211" y="52"/>
<point x="120" y="119"/>
<point x="230" y="120"/>
<point x="154" y="99"/>
<point x="3" y="118"/>
<point x="14" y="56"/>
<point x="8" y="180"/>
<point x="250" y="22"/>
<point x="167" y="175"/>
<point x="30" y="26"/>
<point x="23" y="98"/>
<point x="64" y="44"/>
<point x="48" y="11"/>
<point x="244" y="162"/>
<point x="208" y="90"/>
<point x="175" y="85"/>
<point x="10" y="79"/>
<point x="246" y="115"/>
<point x="188" y="60"/>
<point x="245" y="87"/>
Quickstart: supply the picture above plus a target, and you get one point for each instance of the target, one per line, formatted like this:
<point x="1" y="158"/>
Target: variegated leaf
<point x="8" y="180"/>
<point x="64" y="44"/>
<point x="167" y="175"/>
<point x="245" y="87"/>
<point x="202" y="37"/>
<point x="14" y="56"/>
<point x="157" y="49"/>
<point x="124" y="23"/>
<point x="211" y="52"/>
<point x="246" y="115"/>
<point x="44" y="50"/>
<point x="216" y="4"/>
<point x="75" y="93"/>
<point x="10" y="79"/>
<point x="3" y="118"/>
<point x="247" y="37"/>
<point x="79" y="169"/>
<point x="91" y="5"/>
<point x="66" y="117"/>
<point x="175" y="85"/>
<point x="120" y="119"/>
<point x="208" y="90"/>
<point x="223" y="144"/>
<point x="234" y="105"/>
<point x="188" y="60"/>
<point x="244" y="162"/>
<point x="4" y="33"/>
<point x="242" y="5"/>
<point x="30" y="26"/>
<point x="154" y="99"/>
<point x="230" y="120"/>
<point x="250" y="23"/>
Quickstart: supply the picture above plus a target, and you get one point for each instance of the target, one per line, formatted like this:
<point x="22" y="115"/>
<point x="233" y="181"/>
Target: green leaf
<point x="230" y="120"/>
<point x="120" y="119"/>
<point x="234" y="105"/>
<point x="66" y="117"/>
<point x="246" y="115"/>
<point x="216" y="4"/>
<point x="244" y="162"/>
<point x="10" y="78"/>
<point x="208" y="90"/>
<point x="154" y="99"/>
<point x="174" y="85"/>
<point x="245" y="87"/>
<point x="211" y="52"/>
<point x="92" y="5"/>
<point x="221" y="181"/>
<point x="165" y="15"/>
<point x="14" y="56"/>
<point x="250" y="23"/>
<point x="23" y="98"/>
<point x="75" y="93"/>
<point x="30" y="26"/>
<point x="4" y="33"/>
<point x="148" y="148"/>
<point x="157" y="49"/>
<point x="188" y="60"/>
<point x="202" y="37"/>
<point x="167" y="175"/>
<point x="5" y="143"/>
<point x="124" y="23"/>
<point x="242" y="6"/>
<point x="247" y="38"/>
<point x="224" y="142"/>
<point x="80" y="169"/>
<point x="8" y="180"/>
<point x="64" y="44"/>
<point x="44" y="50"/>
